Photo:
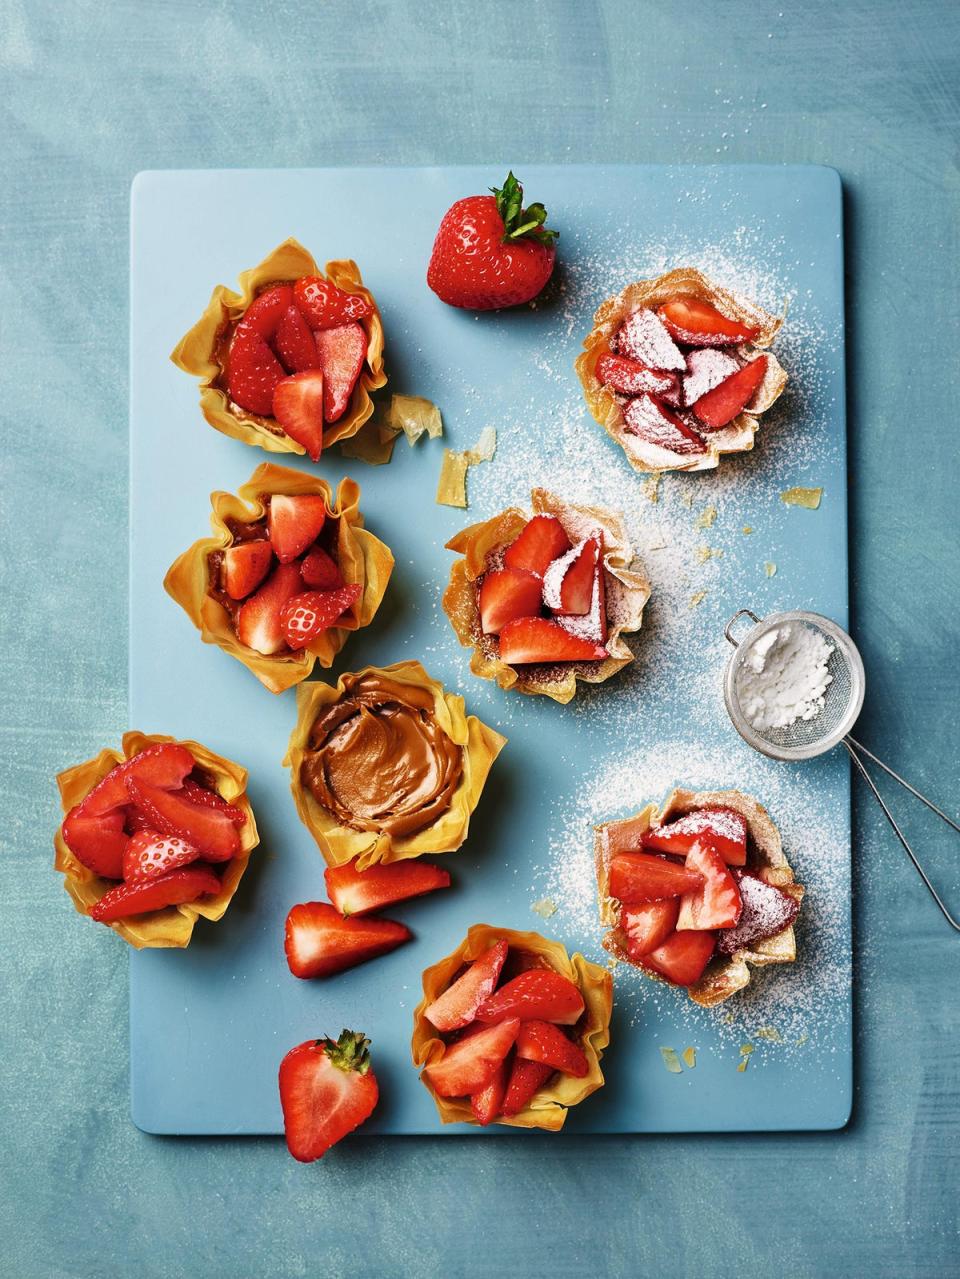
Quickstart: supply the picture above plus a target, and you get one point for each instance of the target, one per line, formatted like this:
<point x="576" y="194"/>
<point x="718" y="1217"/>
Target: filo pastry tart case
<point x="613" y="406"/>
<point x="361" y="560"/>
<point x="387" y="765"/>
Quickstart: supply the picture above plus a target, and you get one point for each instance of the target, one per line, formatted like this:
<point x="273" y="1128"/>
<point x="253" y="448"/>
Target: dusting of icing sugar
<point x="557" y="571"/>
<point x="644" y="338"/>
<point x="783" y="676"/>
<point x="707" y="367"/>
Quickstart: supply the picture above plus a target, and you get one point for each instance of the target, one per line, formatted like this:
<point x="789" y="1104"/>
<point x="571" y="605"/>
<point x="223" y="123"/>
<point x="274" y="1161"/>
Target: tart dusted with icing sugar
<point x="289" y="572"/>
<point x="511" y="1030"/>
<point x="289" y="362"/>
<point x="387" y="765"/>
<point x="698" y="892"/>
<point x="544" y="599"/>
<point x="677" y="370"/>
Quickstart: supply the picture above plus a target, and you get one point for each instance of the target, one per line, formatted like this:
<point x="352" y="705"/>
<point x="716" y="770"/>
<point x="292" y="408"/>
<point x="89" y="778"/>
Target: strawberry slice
<point x="526" y="1079"/>
<point x="767" y="910"/>
<point x="327" y="1090"/>
<point x="298" y="407"/>
<point x="294" y="522"/>
<point x="258" y="622"/>
<point x="265" y="313"/>
<point x="723" y="828"/>
<point x="486" y="1103"/>
<point x="630" y="378"/>
<point x="325" y="305"/>
<point x="568" y="582"/>
<point x="682" y="957"/>
<point x="149" y="854"/>
<point x="707" y="367"/>
<point x="357" y="892"/>
<point x="458" y="1004"/>
<point x="342" y="351"/>
<point x="716" y="903"/>
<point x="644" y="877"/>
<point x="653" y="422"/>
<point x="253" y="372"/>
<point x="244" y="568"/>
<point x="506" y="594"/>
<point x="544" y="1042"/>
<point x="165" y="764"/>
<point x="319" y="941"/>
<point x="697" y="323"/>
<point x="174" y="813"/>
<point x="538" y="545"/>
<point x="538" y="993"/>
<point x="649" y="925"/>
<point x="471" y="1063"/>
<point x="198" y="794"/>
<point x="539" y="639"/>
<point x="308" y="615"/>
<point x="98" y="840"/>
<point x="144" y="895"/>
<point x="295" y="342"/>
<point x="644" y="338"/>
<point x="319" y="570"/>
<point x="721" y="405"/>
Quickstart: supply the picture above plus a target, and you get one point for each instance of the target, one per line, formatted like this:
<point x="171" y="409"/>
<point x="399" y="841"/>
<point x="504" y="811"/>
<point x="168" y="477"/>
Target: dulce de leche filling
<point x="379" y="761"/>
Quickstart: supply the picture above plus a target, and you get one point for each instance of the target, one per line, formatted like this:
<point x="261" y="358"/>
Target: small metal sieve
<point x="843" y="700"/>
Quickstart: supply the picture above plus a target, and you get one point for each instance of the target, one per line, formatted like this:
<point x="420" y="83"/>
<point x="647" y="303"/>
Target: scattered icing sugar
<point x="783" y="676"/>
<point x="643" y="337"/>
<point x="553" y="578"/>
<point x="707" y="367"/>
<point x="645" y="418"/>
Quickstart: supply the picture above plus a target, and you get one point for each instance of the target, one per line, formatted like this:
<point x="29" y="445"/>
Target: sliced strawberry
<point x="724" y="828"/>
<point x="244" y="567"/>
<point x="568" y="582"/>
<point x="648" y="926"/>
<point x="697" y="323"/>
<point x="458" y="1004"/>
<point x="721" y="405"/>
<point x="326" y="306"/>
<point x="342" y="351"/>
<point x="165" y="764"/>
<point x="295" y="342"/>
<point x="265" y="313"/>
<point x="767" y="910"/>
<point x="98" y="840"/>
<point x="212" y="799"/>
<point x="707" y="367"/>
<point x="294" y="522"/>
<point x="253" y="372"/>
<point x="682" y="957"/>
<point x="653" y="422"/>
<point x="319" y="941"/>
<point x="486" y="1103"/>
<point x="538" y="545"/>
<point x="357" y="892"/>
<point x="298" y="407"/>
<point x="544" y="1042"/>
<point x="258" y="621"/>
<point x="538" y="993"/>
<point x="716" y="903"/>
<point x="144" y="895"/>
<point x="174" y="813"/>
<point x="319" y="570"/>
<point x="327" y="1090"/>
<point x="593" y="624"/>
<point x="539" y="639"/>
<point x="506" y="594"/>
<point x="643" y="877"/>
<point x="526" y="1080"/>
<point x="470" y="1064"/>
<point x="308" y="615"/>
<point x="150" y="854"/>
<point x="630" y="378"/>
<point x="644" y="338"/>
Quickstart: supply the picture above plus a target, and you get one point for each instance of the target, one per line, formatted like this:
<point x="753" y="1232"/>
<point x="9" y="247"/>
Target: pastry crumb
<point x="707" y="517"/>
<point x="697" y="598"/>
<point x="769" y="1033"/>
<point x="452" y="487"/>
<point x="545" y="907"/>
<point x="671" y="1061"/>
<point x="809" y="498"/>
<point x="770" y="568"/>
<point x="748" y="528"/>
<point x="651" y="486"/>
<point x="689" y="1056"/>
<point x="705" y="553"/>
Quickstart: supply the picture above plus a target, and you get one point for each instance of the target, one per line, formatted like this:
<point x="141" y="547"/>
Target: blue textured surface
<point x="868" y="87"/>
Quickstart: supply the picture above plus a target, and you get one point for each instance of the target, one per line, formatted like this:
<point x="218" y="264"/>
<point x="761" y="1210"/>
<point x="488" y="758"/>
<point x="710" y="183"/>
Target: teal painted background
<point x="94" y="92"/>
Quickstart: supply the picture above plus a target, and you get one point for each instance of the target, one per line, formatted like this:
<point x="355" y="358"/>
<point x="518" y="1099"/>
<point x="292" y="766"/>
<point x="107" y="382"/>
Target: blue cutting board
<point x="210" y="1024"/>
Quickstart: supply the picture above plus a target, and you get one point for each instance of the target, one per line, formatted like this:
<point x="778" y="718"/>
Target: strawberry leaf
<point x="518" y="221"/>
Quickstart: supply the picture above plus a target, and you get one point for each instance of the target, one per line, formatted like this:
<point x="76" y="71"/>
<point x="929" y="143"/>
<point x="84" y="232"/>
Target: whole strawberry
<point x="491" y="252"/>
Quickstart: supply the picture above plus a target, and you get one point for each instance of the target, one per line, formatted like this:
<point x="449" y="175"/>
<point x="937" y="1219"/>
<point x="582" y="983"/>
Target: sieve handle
<point x="728" y="629"/>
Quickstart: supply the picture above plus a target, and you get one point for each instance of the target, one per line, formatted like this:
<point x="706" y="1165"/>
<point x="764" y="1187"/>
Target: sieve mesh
<point x="836" y="701"/>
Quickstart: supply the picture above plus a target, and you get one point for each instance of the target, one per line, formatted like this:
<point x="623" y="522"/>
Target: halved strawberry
<point x="265" y="313"/>
<point x="568" y="582"/>
<point x="645" y="877"/>
<point x="149" y="854"/>
<point x="295" y="342"/>
<point x="143" y="895"/>
<point x="716" y="903"/>
<point x="294" y="522"/>
<point x="174" y="813"/>
<point x="165" y="764"/>
<point x="649" y="925"/>
<point x="212" y="799"/>
<point x="308" y="615"/>
<point x="630" y="378"/>
<point x="98" y="840"/>
<point x="471" y="1063"/>
<point x="707" y="367"/>
<point x="538" y="545"/>
<point x="643" y="338"/>
<point x="458" y="1004"/>
<point x="325" y="305"/>
<point x="767" y="910"/>
<point x="298" y="407"/>
<point x="357" y="892"/>
<point x="697" y="323"/>
<point x="342" y="351"/>
<point x="320" y="570"/>
<point x="540" y="639"/>
<point x="542" y="1041"/>
<point x="539" y="993"/>
<point x="506" y="594"/>
<point x="253" y="372"/>
<point x="244" y="567"/>
<point x="319" y="941"/>
<point x="258" y="621"/>
<point x="327" y="1090"/>
<point x="486" y="1103"/>
<point x="721" y="405"/>
<point x="682" y="957"/>
<point x="724" y="828"/>
<point x="653" y="422"/>
<point x="526" y="1079"/>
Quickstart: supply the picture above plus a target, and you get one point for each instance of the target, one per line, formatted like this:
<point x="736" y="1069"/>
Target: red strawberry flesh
<point x="650" y="420"/>
<point x="707" y="367"/>
<point x="319" y="570"/>
<point x="724" y="828"/>
<point x="698" y="323"/>
<point x="265" y="313"/>
<point x="630" y="378"/>
<point x="295" y="342"/>
<point x="644" y="339"/>
<point x="294" y="522"/>
<point x="507" y="594"/>
<point x="540" y="542"/>
<point x="305" y="616"/>
<point x="357" y="892"/>
<point x="526" y="1080"/>
<point x="174" y="813"/>
<point x="486" y="1104"/>
<point x="245" y="565"/>
<point x="635" y="878"/>
<point x="716" y="903"/>
<point x="647" y="926"/>
<point x="569" y="581"/>
<point x="327" y="1089"/>
<point x="682" y="958"/>
<point x="471" y="1063"/>
<point x="253" y="372"/>
<point x="149" y="854"/>
<point x="720" y="406"/>
<point x="767" y="910"/>
<point x="539" y="993"/>
<point x="458" y="1004"/>
<point x="539" y="639"/>
<point x="298" y="407"/>
<point x="342" y="351"/>
<point x="175" y="888"/>
<point x="326" y="306"/>
<point x="258" y="621"/>
<point x="319" y="941"/>
<point x="544" y="1042"/>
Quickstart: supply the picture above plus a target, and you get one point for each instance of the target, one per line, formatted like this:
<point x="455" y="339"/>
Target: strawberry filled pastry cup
<point x="698" y="892"/>
<point x="544" y="599"/>
<point x="154" y="836"/>
<point x="289" y="572"/>
<point x="511" y="1030"/>
<point x="289" y="362"/>
<point x="677" y="371"/>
